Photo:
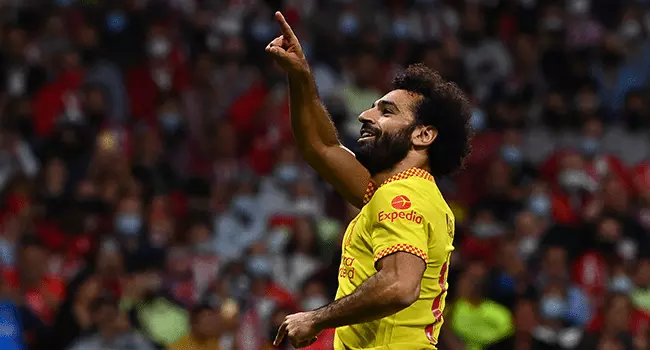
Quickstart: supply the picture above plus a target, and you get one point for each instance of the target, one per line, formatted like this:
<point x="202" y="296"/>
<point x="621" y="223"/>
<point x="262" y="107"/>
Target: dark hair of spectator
<point x="314" y="250"/>
<point x="445" y="107"/>
<point x="198" y="310"/>
<point x="31" y="241"/>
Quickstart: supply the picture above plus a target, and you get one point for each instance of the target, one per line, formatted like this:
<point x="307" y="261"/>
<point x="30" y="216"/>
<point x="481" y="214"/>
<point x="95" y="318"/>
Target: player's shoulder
<point x="418" y="188"/>
<point x="416" y="184"/>
<point x="410" y="186"/>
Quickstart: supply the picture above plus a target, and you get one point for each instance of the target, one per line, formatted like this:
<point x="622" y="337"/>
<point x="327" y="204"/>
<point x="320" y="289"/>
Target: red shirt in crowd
<point x="637" y="319"/>
<point x="40" y="299"/>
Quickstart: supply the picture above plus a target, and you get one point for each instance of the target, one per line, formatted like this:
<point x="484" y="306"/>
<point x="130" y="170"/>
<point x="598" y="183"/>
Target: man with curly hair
<point x="395" y="259"/>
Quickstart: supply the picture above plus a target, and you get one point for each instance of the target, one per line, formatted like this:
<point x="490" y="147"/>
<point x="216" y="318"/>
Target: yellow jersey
<point x="406" y="213"/>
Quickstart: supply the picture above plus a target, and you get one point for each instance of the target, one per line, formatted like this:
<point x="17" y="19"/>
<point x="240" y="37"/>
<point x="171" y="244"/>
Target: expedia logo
<point x="401" y="202"/>
<point x="396" y="215"/>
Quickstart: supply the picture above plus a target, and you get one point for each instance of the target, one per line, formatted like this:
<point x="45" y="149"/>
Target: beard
<point x="384" y="150"/>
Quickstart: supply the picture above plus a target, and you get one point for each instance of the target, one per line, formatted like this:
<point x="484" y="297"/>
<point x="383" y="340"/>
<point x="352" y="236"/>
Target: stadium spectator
<point x="113" y="329"/>
<point x="203" y="333"/>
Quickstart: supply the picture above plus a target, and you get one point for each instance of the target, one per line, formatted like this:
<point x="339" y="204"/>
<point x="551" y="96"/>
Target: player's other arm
<point x="399" y="244"/>
<point x="314" y="132"/>
<point x="394" y="287"/>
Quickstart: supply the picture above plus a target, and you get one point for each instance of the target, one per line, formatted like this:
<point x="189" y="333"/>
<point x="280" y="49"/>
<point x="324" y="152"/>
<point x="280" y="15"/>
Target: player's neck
<point x="404" y="165"/>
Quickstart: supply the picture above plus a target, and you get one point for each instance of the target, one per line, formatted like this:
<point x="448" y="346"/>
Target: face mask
<point x="244" y="205"/>
<point x="528" y="246"/>
<point x="159" y="47"/>
<point x="116" y="22"/>
<point x="313" y="303"/>
<point x="16" y="84"/>
<point x="259" y="266"/>
<point x="228" y="25"/>
<point x="63" y="3"/>
<point x="286" y="173"/>
<point x="401" y="29"/>
<point x="590" y="146"/>
<point x="277" y="240"/>
<point x="7" y="253"/>
<point x="204" y="248"/>
<point x="265" y="308"/>
<point x="262" y="30"/>
<point x="170" y="121"/>
<point x="630" y="29"/>
<point x="572" y="179"/>
<point x="486" y="229"/>
<point x="163" y="79"/>
<point x="552" y="24"/>
<point x="348" y="24"/>
<point x="477" y="120"/>
<point x="128" y="224"/>
<point x="511" y="154"/>
<point x="621" y="284"/>
<point x="306" y="206"/>
<point x="627" y="249"/>
<point x="239" y="288"/>
<point x="552" y="308"/>
<point x="528" y="3"/>
<point x="578" y="7"/>
<point x="540" y="205"/>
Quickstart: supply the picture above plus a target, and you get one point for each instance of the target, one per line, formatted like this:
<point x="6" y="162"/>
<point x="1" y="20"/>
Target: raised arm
<point x="313" y="130"/>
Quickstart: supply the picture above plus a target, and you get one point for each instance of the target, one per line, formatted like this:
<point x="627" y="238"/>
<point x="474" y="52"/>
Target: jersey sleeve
<point x="399" y="221"/>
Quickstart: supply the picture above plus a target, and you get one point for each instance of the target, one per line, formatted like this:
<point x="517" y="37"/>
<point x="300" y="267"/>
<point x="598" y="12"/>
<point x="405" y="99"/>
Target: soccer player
<point x="395" y="259"/>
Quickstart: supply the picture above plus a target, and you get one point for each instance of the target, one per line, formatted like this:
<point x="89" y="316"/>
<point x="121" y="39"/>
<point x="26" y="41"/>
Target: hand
<point x="286" y="50"/>
<point x="300" y="328"/>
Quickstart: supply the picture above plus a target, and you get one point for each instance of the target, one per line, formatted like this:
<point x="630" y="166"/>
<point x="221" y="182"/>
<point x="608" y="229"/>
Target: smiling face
<point x="387" y="131"/>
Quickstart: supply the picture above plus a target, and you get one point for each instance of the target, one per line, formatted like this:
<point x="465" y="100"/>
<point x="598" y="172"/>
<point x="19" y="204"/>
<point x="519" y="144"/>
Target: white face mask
<point x="159" y="47"/>
<point x="7" y="253"/>
<point x="16" y="84"/>
<point x="163" y="79"/>
<point x="264" y="308"/>
<point x="578" y="7"/>
<point x="630" y="29"/>
<point x="306" y="206"/>
<point x="572" y="179"/>
<point x="277" y="240"/>
<point x="348" y="24"/>
<point x="627" y="249"/>
<point x="313" y="303"/>
<point x="528" y="246"/>
<point x="621" y="284"/>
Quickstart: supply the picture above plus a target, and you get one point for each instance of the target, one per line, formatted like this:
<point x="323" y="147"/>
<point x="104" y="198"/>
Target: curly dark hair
<point x="445" y="107"/>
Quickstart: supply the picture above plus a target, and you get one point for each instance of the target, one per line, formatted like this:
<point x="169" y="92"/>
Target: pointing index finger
<point x="282" y="331"/>
<point x="287" y="32"/>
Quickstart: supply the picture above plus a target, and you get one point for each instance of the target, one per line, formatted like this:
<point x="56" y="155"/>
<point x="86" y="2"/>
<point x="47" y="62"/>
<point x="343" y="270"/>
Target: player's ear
<point x="423" y="136"/>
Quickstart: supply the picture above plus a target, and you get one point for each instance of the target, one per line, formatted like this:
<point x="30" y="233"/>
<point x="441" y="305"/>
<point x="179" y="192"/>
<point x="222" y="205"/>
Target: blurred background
<point x="151" y="197"/>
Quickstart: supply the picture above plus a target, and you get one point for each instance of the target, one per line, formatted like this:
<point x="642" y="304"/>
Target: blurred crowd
<point x="151" y="197"/>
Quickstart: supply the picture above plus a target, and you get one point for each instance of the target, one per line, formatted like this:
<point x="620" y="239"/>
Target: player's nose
<point x="366" y="116"/>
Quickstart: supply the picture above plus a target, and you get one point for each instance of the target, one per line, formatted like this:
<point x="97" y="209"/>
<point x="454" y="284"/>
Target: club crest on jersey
<point x="450" y="226"/>
<point x="401" y="203"/>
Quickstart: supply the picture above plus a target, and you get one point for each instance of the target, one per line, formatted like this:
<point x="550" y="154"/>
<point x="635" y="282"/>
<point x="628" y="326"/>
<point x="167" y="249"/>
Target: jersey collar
<point x="412" y="172"/>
